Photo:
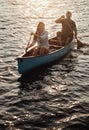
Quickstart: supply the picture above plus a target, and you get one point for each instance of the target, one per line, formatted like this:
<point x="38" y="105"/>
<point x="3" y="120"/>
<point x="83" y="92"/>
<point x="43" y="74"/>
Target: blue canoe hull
<point x="26" y="64"/>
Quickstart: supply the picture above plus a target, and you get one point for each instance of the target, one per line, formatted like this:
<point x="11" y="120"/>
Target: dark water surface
<point x="56" y="98"/>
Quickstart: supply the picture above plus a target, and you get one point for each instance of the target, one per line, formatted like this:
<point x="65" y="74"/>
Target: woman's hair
<point x="39" y="24"/>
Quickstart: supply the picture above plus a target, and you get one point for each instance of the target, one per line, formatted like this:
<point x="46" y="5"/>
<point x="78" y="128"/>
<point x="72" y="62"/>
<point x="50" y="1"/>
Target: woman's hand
<point x="32" y="33"/>
<point x="37" y="35"/>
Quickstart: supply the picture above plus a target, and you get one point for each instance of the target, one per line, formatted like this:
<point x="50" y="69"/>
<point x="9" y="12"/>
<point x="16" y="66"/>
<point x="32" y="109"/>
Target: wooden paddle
<point x="29" y="51"/>
<point x="81" y="44"/>
<point x="28" y="44"/>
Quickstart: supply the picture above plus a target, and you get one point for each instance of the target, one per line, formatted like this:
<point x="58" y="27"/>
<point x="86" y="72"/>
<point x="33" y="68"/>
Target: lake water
<point x="57" y="98"/>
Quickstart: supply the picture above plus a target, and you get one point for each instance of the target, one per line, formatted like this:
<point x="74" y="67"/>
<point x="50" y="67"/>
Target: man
<point x="68" y="27"/>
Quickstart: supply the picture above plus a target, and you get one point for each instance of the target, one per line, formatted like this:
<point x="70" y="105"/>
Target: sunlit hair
<point x="41" y="24"/>
<point x="68" y="13"/>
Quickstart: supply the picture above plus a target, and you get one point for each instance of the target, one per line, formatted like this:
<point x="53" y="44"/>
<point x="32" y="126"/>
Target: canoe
<point x="28" y="63"/>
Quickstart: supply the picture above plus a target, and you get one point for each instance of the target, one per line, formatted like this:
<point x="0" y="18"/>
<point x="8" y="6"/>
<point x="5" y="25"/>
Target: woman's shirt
<point x="42" y="40"/>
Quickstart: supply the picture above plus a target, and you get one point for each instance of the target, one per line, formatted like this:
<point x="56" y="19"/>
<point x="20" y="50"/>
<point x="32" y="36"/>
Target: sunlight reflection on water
<point x="58" y="95"/>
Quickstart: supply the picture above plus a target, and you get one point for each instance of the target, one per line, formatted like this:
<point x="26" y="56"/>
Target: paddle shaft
<point x="79" y="43"/>
<point x="28" y="44"/>
<point x="29" y="49"/>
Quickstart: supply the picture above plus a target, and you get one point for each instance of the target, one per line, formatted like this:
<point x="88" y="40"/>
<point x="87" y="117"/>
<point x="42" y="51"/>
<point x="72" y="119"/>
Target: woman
<point x="41" y="38"/>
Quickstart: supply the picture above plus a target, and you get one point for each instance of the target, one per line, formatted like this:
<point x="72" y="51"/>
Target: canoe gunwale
<point x="42" y="55"/>
<point x="29" y="63"/>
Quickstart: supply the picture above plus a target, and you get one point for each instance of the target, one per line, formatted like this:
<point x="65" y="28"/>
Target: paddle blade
<point x="80" y="44"/>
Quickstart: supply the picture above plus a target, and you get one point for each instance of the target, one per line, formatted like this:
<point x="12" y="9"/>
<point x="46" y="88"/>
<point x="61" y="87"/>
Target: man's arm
<point x="75" y="31"/>
<point x="59" y="20"/>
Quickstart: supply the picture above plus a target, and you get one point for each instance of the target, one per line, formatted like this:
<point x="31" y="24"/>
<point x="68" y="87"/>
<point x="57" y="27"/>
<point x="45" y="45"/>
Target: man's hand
<point x="62" y="17"/>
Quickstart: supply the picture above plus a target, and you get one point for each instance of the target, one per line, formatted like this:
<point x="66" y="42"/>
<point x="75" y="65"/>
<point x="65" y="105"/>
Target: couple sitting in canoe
<point x="64" y="37"/>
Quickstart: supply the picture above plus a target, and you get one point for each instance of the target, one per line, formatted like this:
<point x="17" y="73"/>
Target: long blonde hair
<point x="37" y="30"/>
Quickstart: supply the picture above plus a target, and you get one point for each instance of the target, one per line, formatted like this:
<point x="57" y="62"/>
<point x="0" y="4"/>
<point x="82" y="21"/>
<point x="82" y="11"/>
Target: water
<point x="57" y="98"/>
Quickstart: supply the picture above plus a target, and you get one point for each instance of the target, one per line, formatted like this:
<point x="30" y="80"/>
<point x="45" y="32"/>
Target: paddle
<point x="28" y="44"/>
<point x="80" y="44"/>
